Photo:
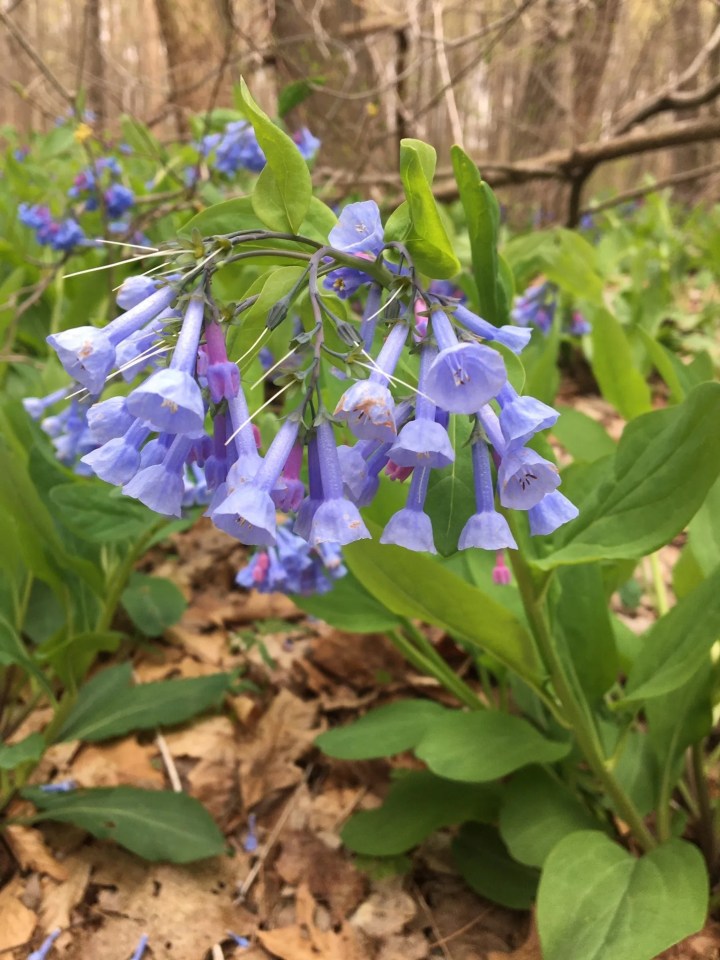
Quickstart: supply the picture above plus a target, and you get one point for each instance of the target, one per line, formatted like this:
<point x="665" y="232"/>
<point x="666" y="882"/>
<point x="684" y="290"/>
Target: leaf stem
<point x="430" y="662"/>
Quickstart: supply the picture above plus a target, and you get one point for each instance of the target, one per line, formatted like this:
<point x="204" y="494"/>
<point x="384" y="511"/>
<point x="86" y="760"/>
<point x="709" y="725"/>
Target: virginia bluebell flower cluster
<point x="293" y="566"/>
<point x="99" y="184"/>
<point x="184" y="432"/>
<point x="64" y="234"/>
<point x="237" y="148"/>
<point x="540" y="304"/>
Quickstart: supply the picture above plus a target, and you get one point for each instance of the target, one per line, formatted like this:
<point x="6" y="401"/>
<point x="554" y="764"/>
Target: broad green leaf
<point x="669" y="366"/>
<point x="482" y="217"/>
<point x="612" y="362"/>
<point x="348" y="606"/>
<point x="418" y="804"/>
<point x="154" y="824"/>
<point x="381" y="732"/>
<point x="107" y="685"/>
<point x="228" y="216"/>
<point x="537" y="812"/>
<point x="636" y="770"/>
<point x="677" y="643"/>
<point x="72" y="654"/>
<point x="584" y="438"/>
<point x="540" y="359"/>
<point x="125" y="708"/>
<point x="584" y="631"/>
<point x="13" y="651"/>
<point x="665" y="464"/>
<point x="270" y="288"/>
<point x="427" y="242"/>
<point x="476" y="747"/>
<point x="598" y="902"/>
<point x="29" y="750"/>
<point x="93" y="512"/>
<point x="485" y="864"/>
<point x="283" y="190"/>
<point x="704" y="531"/>
<point x="152" y="603"/>
<point x="416" y="586"/>
<point x="451" y="492"/>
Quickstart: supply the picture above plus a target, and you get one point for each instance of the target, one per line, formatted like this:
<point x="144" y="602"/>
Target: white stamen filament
<point x="259" y="410"/>
<point x="109" y="266"/>
<point x="252" y="347"/>
<point x="267" y="373"/>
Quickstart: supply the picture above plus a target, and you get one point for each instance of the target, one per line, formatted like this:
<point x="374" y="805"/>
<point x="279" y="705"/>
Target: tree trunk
<point x="689" y="38"/>
<point x="310" y="42"/>
<point x="593" y="32"/>
<point x="95" y="62"/>
<point x="197" y="36"/>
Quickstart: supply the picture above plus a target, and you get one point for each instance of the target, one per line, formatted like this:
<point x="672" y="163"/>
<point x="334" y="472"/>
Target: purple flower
<point x="36" y="406"/>
<point x="307" y="144"/>
<point x="514" y="338"/>
<point x="359" y="229"/>
<point x="522" y="417"/>
<point x="46" y="946"/>
<point x="486" y="529"/>
<point x="134" y="290"/>
<point x="118" y="460"/>
<point x="248" y="513"/>
<point x="337" y="519"/>
<point x="524" y="478"/>
<point x="423" y="441"/>
<point x="501" y="576"/>
<point x="289" y="489"/>
<point x="109" y="419"/>
<point x="223" y="377"/>
<point x="87" y="355"/>
<point x="161" y="487"/>
<point x="368" y="407"/>
<point x="170" y="400"/>
<point x="411" y="527"/>
<point x="118" y="200"/>
<point x="308" y="508"/>
<point x="579" y="325"/>
<point x="550" y="513"/>
<point x="463" y="376"/>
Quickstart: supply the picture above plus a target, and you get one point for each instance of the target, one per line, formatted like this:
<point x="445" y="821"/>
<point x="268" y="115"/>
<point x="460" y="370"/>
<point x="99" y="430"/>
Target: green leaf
<point x="271" y="287"/>
<point x="584" y="438"/>
<point x="293" y="94"/>
<point x="93" y="512"/>
<point x="621" y="383"/>
<point x="585" y="636"/>
<point x="155" y="824"/>
<point x="152" y="603"/>
<point x="28" y="750"/>
<point x="381" y="732"/>
<point x="348" y="606"/>
<point x="225" y="217"/>
<point x="598" y="902"/>
<point x="476" y="747"/>
<point x="677" y="643"/>
<point x="109" y="707"/>
<point x="537" y="812"/>
<point x="482" y="217"/>
<point x="417" y="805"/>
<point x="416" y="586"/>
<point x="427" y="241"/>
<point x="283" y="190"/>
<point x="665" y="464"/>
<point x="485" y="864"/>
<point x="13" y="651"/>
<point x="451" y="491"/>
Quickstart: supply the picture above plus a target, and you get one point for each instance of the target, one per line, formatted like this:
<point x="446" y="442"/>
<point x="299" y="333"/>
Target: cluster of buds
<point x="192" y="412"/>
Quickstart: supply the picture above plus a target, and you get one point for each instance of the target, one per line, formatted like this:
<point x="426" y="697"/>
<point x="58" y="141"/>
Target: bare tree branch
<point x="672" y="96"/>
<point x="22" y="41"/>
<point x="687" y="176"/>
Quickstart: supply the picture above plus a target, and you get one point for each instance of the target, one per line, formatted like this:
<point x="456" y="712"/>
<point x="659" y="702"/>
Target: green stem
<point x="661" y="597"/>
<point x="575" y="710"/>
<point x="705" y="819"/>
<point x="442" y="673"/>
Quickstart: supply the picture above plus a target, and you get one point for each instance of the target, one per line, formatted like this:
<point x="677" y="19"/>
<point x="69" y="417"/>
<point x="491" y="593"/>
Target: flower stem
<point x="429" y="661"/>
<point x="576" y="711"/>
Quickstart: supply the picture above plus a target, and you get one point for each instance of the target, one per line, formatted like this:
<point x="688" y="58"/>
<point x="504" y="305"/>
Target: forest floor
<point x="289" y="890"/>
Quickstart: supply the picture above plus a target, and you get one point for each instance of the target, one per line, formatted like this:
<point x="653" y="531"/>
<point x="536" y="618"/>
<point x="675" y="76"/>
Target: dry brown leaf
<point x="407" y="946"/>
<point x="59" y="900"/>
<point x="209" y="647"/>
<point x="18" y="922"/>
<point x="528" y="950"/>
<point x="328" y="874"/>
<point x="283" y="734"/>
<point x="356" y="658"/>
<point x="385" y="912"/>
<point x="184" y="910"/>
<point x="32" y="853"/>
<point x="113" y="764"/>
<point x="306" y="941"/>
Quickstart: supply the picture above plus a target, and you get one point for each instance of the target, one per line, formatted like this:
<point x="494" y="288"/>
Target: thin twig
<point x="167" y="759"/>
